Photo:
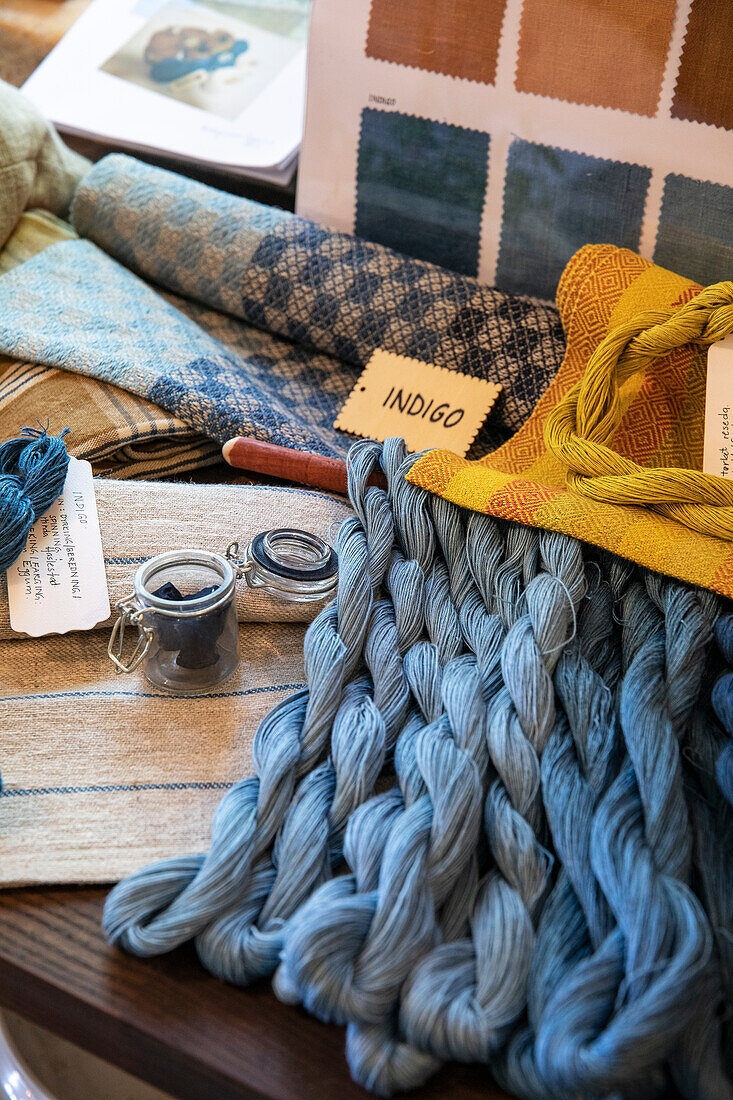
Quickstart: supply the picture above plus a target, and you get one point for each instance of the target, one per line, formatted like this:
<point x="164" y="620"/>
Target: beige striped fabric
<point x="123" y="436"/>
<point x="140" y="519"/>
<point x="101" y="773"/>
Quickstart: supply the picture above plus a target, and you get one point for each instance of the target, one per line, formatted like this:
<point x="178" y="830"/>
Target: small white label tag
<point x="718" y="448"/>
<point x="59" y="582"/>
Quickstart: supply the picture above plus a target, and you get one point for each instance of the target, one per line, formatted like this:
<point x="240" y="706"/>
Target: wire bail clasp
<point x="242" y="566"/>
<point x="133" y="615"/>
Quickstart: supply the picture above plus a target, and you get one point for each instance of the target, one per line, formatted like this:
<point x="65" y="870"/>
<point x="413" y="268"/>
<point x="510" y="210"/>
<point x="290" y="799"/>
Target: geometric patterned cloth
<point x="73" y="307"/>
<point x="263" y="321"/>
<point x="327" y="292"/>
<point x="662" y="425"/>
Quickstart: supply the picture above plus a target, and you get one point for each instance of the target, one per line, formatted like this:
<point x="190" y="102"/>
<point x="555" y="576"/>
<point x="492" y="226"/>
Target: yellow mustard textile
<point x="661" y="424"/>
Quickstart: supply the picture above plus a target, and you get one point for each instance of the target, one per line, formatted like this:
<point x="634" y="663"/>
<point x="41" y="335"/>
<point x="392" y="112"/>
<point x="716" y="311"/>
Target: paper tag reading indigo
<point x="718" y="449"/>
<point x="428" y="406"/>
<point x="59" y="582"/>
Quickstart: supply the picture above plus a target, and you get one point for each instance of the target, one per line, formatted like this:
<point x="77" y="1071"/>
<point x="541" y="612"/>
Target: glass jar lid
<point x="293" y="564"/>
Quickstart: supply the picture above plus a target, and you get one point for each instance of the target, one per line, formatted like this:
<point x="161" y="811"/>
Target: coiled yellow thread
<point x="579" y="428"/>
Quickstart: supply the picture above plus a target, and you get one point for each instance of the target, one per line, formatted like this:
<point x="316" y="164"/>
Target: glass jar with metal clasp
<point x="183" y="605"/>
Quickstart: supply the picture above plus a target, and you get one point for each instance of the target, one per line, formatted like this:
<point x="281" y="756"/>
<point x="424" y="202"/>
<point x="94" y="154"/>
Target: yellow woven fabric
<point x="580" y="426"/>
<point x="661" y="424"/>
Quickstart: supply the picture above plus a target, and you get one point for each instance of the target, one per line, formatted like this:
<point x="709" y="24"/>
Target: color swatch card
<point x="495" y="137"/>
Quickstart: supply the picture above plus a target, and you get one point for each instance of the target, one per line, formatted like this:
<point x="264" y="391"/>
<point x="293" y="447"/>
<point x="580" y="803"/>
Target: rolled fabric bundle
<point x="322" y="303"/>
<point x="37" y="168"/>
<point x="327" y="291"/>
<point x="139" y="520"/>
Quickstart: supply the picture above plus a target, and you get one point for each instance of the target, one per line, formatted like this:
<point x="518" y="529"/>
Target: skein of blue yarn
<point x="32" y="474"/>
<point x="723" y="703"/>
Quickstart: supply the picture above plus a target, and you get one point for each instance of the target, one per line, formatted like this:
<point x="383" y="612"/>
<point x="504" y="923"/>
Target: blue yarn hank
<point x="33" y="469"/>
<point x="489" y="830"/>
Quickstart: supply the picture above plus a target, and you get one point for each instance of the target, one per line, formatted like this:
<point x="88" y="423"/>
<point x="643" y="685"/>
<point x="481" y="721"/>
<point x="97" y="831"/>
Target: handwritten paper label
<point x="718" y="448"/>
<point x="429" y="406"/>
<point x="59" y="583"/>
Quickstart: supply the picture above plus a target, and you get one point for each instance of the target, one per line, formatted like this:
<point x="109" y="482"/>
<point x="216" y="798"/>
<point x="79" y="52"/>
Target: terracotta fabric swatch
<point x="29" y="30"/>
<point x="455" y="37"/>
<point x="704" y="89"/>
<point x="608" y="54"/>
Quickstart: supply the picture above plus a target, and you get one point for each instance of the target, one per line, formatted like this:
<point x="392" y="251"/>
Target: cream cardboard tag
<point x="59" y="582"/>
<point x="718" y="448"/>
<point x="429" y="406"/>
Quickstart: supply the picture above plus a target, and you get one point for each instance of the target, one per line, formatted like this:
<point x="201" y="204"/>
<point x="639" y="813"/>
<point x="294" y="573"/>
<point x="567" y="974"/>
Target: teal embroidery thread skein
<point x="33" y="470"/>
<point x="471" y="641"/>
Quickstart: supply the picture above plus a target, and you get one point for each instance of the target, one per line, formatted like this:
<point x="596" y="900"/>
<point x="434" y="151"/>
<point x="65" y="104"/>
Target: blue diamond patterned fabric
<point x="71" y="306"/>
<point x="260" y="321"/>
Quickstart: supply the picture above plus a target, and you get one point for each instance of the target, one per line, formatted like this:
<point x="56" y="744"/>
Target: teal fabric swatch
<point x="555" y="201"/>
<point x="695" y="234"/>
<point x="420" y="187"/>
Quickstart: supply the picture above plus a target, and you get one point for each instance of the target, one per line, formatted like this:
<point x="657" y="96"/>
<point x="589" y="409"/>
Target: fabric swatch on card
<point x="694" y="235"/>
<point x="555" y="201"/>
<point x="704" y="88"/>
<point x="607" y="55"/>
<point x="421" y="187"/>
<point x="455" y="37"/>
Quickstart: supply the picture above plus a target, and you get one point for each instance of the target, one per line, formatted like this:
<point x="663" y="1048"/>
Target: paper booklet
<point x="219" y="83"/>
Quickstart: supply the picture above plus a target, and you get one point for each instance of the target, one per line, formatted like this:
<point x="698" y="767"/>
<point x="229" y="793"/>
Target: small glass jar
<point x="188" y="645"/>
<point x="184" y="609"/>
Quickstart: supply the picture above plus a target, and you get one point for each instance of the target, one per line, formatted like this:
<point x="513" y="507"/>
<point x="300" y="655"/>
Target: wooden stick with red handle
<point x="300" y="466"/>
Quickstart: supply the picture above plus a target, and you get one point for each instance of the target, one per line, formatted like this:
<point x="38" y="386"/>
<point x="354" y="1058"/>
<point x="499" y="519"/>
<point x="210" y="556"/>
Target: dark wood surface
<point x="169" y="1022"/>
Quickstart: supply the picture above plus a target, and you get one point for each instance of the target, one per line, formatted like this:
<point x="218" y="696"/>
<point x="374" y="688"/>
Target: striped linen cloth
<point x="102" y="773"/>
<point x="139" y="520"/>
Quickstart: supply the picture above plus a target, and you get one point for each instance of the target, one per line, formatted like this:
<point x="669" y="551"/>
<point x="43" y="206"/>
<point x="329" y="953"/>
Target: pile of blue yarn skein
<point x="491" y="829"/>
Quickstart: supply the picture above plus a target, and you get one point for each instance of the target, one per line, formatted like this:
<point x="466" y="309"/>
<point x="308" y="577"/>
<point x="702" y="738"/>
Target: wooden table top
<point x="169" y="1022"/>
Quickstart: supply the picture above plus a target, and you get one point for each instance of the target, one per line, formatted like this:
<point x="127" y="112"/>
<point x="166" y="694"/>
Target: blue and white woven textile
<point x="260" y="321"/>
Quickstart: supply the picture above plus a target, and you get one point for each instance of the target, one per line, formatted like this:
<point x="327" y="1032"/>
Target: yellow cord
<point x="579" y="428"/>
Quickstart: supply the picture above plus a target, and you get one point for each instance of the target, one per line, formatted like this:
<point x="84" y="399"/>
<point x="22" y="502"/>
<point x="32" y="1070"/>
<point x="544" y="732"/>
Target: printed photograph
<point x="203" y="58"/>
